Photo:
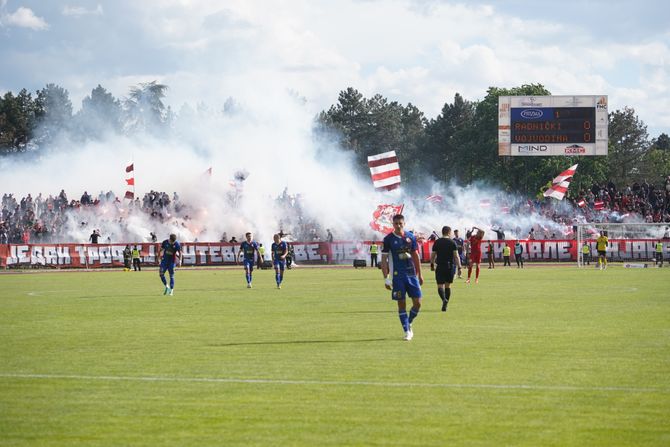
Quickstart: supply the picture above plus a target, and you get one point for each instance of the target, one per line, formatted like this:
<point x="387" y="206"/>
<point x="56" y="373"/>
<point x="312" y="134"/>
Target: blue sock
<point x="412" y="314"/>
<point x="163" y="279"/>
<point x="277" y="277"/>
<point x="248" y="278"/>
<point x="171" y="282"/>
<point x="281" y="277"/>
<point x="403" y="320"/>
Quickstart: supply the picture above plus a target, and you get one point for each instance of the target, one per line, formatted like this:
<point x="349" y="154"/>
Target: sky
<point x="423" y="52"/>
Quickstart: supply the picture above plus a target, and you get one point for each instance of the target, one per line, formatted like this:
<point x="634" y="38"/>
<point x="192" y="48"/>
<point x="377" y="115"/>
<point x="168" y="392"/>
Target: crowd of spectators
<point x="44" y="219"/>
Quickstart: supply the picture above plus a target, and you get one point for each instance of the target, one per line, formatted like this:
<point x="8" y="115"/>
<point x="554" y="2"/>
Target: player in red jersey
<point x="475" y="241"/>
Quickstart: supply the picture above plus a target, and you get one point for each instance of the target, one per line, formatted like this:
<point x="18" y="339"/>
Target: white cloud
<point x="24" y="18"/>
<point x="80" y="11"/>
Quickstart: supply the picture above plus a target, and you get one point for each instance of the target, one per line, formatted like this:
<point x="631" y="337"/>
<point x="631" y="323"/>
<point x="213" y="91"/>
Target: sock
<point x="477" y="273"/>
<point x="469" y="271"/>
<point x="164" y="281"/>
<point x="248" y="275"/>
<point x="277" y="277"/>
<point x="171" y="282"/>
<point x="440" y="291"/>
<point x="403" y="320"/>
<point x="447" y="294"/>
<point x="412" y="314"/>
<point x="281" y="277"/>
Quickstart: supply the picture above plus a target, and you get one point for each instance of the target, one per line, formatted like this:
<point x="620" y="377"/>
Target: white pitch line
<point x="338" y="383"/>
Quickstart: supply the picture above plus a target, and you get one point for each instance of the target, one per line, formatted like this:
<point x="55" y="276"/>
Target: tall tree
<point x="628" y="143"/>
<point x="100" y="114"/>
<point x="17" y="121"/>
<point x="54" y="113"/>
<point x="144" y="107"/>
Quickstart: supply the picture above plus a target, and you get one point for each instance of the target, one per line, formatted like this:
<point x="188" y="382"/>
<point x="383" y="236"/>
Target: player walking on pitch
<point x="248" y="249"/>
<point x="169" y="253"/>
<point x="404" y="263"/>
<point x="445" y="255"/>
<point x="475" y="242"/>
<point x="279" y="251"/>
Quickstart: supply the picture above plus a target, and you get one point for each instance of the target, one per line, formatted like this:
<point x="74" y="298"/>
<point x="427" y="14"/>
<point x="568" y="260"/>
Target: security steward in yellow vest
<point x="136" y="259"/>
<point x="586" y="254"/>
<point x="506" y="252"/>
<point x="373" y="255"/>
<point x="659" y="253"/>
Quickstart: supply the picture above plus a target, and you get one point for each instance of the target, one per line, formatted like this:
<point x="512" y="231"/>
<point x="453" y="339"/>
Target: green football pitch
<point x="545" y="356"/>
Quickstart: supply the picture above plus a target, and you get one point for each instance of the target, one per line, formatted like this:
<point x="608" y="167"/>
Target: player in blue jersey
<point x="400" y="257"/>
<point x="248" y="251"/>
<point x="279" y="251"/>
<point x="170" y="255"/>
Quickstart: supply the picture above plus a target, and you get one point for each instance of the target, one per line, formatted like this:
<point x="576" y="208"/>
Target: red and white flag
<point x="581" y="203"/>
<point x="382" y="217"/>
<point x="435" y="198"/>
<point x="598" y="205"/>
<point x="385" y="170"/>
<point x="560" y="185"/>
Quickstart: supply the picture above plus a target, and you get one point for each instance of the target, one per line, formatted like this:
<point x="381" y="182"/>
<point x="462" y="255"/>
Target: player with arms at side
<point x="475" y="242"/>
<point x="404" y="263"/>
<point x="445" y="255"/>
<point x="601" y="247"/>
<point x="248" y="250"/>
<point x="169" y="253"/>
<point x="279" y="251"/>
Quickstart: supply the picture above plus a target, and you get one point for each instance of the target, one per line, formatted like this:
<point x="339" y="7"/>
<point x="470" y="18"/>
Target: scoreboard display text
<point x="552" y="125"/>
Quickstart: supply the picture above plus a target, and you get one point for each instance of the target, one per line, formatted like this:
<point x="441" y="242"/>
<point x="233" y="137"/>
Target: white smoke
<point x="269" y="173"/>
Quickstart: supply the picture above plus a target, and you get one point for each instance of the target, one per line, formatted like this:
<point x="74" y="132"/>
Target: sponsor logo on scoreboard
<point x="532" y="148"/>
<point x="532" y="114"/>
<point x="602" y="103"/>
<point x="575" y="149"/>
<point x="530" y="102"/>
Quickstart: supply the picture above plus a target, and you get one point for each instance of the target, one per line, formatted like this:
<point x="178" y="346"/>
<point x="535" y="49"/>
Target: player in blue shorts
<point x="400" y="255"/>
<point x="279" y="251"/>
<point x="169" y="254"/>
<point x="248" y="251"/>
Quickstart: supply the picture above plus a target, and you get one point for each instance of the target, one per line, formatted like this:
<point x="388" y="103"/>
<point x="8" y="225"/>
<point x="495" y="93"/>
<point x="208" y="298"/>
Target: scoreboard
<point x="552" y="125"/>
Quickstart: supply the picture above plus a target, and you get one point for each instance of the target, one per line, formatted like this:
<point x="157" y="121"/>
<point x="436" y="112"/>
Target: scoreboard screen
<point x="552" y="125"/>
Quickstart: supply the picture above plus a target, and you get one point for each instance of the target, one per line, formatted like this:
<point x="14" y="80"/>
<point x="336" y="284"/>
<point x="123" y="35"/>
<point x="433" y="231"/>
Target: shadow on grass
<point x="295" y="342"/>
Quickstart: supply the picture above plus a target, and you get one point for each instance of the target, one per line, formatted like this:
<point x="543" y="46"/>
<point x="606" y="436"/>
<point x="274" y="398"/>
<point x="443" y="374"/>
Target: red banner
<point x="213" y="254"/>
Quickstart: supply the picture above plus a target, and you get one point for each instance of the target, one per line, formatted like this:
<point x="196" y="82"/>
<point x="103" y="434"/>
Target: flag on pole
<point x="435" y="198"/>
<point x="129" y="195"/>
<point x="598" y="205"/>
<point x="130" y="167"/>
<point x="385" y="170"/>
<point x="130" y="181"/>
<point x="581" y="203"/>
<point x="382" y="217"/>
<point x="560" y="185"/>
<point x="209" y="171"/>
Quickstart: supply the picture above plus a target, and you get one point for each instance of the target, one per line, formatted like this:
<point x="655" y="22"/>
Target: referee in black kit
<point x="445" y="255"/>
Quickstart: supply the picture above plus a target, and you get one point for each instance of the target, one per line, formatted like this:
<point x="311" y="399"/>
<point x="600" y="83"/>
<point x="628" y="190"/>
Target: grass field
<point x="544" y="356"/>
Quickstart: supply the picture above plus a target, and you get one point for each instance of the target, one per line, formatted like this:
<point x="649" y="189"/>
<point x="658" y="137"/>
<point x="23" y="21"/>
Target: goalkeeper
<point x="601" y="247"/>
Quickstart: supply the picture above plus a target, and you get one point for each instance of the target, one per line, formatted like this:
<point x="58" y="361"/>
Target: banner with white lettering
<point x="220" y="254"/>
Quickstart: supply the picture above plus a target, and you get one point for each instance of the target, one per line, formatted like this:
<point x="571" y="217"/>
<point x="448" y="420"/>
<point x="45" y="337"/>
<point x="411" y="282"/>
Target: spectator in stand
<point x="94" y="236"/>
<point x="329" y="236"/>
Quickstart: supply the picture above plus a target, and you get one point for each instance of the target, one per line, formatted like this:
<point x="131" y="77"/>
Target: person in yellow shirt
<point x="659" y="253"/>
<point x="506" y="253"/>
<point x="586" y="254"/>
<point x="601" y="247"/>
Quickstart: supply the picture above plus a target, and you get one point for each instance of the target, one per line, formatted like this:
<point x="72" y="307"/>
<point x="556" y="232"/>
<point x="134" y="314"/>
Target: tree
<point x="144" y="107"/>
<point x="100" y="114"/>
<point x="656" y="161"/>
<point x="53" y="112"/>
<point x="17" y="121"/>
<point x="446" y="138"/>
<point x="628" y="144"/>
